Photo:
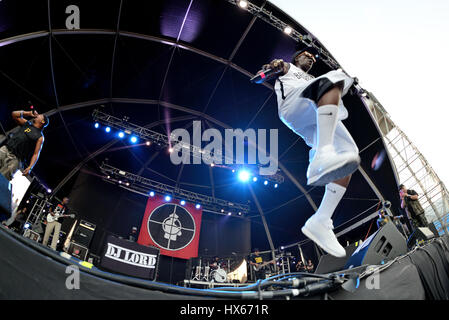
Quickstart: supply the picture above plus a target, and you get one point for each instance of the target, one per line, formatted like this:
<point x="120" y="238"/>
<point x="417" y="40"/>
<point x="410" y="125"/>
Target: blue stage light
<point x="167" y="198"/>
<point x="26" y="226"/>
<point x="276" y="185"/>
<point x="121" y="134"/>
<point x="96" y="125"/>
<point x="265" y="182"/>
<point x="244" y="175"/>
<point x="152" y="194"/>
<point x="183" y="202"/>
<point x="255" y="179"/>
<point x="108" y="129"/>
<point x="133" y="139"/>
<point x="198" y="206"/>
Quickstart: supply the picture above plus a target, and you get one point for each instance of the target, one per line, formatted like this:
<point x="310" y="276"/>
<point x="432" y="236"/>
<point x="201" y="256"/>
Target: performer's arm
<point x="18" y="116"/>
<point x="413" y="196"/>
<point x="35" y="156"/>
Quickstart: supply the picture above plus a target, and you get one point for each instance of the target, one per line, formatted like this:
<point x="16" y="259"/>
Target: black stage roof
<point x="134" y="57"/>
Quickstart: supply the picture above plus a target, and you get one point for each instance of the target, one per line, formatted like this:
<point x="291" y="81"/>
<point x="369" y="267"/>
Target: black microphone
<point x="264" y="75"/>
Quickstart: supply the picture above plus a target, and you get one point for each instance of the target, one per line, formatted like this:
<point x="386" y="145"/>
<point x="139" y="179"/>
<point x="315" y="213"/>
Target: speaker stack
<point x="81" y="239"/>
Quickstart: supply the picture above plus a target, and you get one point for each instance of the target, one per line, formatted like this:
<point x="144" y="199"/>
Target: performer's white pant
<point x="56" y="226"/>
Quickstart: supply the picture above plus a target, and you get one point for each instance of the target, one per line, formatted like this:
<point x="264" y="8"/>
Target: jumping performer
<point x="313" y="109"/>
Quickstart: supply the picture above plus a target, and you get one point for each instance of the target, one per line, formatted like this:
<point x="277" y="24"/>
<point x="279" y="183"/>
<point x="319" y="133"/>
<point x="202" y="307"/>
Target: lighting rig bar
<point x="307" y="39"/>
<point x="145" y="185"/>
<point x="164" y="142"/>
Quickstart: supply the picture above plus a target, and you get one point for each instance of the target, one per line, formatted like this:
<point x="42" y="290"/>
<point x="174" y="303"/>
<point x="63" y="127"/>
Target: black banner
<point x="130" y="258"/>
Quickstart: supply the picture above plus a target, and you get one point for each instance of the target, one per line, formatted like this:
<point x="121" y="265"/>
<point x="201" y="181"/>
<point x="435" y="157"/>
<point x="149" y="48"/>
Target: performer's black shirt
<point x="59" y="209"/>
<point x="22" y="141"/>
<point x="256" y="259"/>
<point x="413" y="206"/>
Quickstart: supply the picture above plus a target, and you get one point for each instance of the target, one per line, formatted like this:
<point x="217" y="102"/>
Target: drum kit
<point x="211" y="271"/>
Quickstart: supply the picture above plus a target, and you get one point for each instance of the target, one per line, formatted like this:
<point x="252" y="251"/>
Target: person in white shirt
<point x="313" y="109"/>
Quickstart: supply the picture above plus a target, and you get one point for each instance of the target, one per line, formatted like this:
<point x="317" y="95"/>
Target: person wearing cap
<point x="411" y="205"/>
<point x="133" y="235"/>
<point x="313" y="109"/>
<point x="24" y="144"/>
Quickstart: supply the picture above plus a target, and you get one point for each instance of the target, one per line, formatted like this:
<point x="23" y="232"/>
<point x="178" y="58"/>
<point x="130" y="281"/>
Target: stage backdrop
<point x="171" y="227"/>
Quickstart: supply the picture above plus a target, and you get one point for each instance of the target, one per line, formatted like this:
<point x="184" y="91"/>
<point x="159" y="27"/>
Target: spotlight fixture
<point x="121" y="134"/>
<point x="133" y="139"/>
<point x="265" y="182"/>
<point x="170" y="150"/>
<point x="49" y="190"/>
<point x="148" y="143"/>
<point x="212" y="164"/>
<point x="255" y="179"/>
<point x="276" y="185"/>
<point x="197" y="206"/>
<point x="152" y="194"/>
<point x="240" y="213"/>
<point x="229" y="213"/>
<point x="96" y="125"/>
<point x="167" y="198"/>
<point x="222" y="210"/>
<point x="243" y="4"/>
<point x="108" y="129"/>
<point x="244" y="175"/>
<point x="182" y="202"/>
<point x="288" y="30"/>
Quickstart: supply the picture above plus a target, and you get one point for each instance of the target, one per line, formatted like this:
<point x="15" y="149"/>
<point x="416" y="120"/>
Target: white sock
<point x="332" y="197"/>
<point x="327" y="118"/>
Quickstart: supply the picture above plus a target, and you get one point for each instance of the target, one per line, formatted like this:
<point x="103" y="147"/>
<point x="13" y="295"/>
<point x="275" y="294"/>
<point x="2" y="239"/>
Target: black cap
<point x="311" y="50"/>
<point x="401" y="186"/>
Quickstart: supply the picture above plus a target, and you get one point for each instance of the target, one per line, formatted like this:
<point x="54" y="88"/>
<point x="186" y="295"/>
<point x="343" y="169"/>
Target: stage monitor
<point x="438" y="225"/>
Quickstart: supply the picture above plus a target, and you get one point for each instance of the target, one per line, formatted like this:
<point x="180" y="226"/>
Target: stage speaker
<point x="385" y="244"/>
<point x="328" y="263"/>
<point x="84" y="233"/>
<point x="78" y="251"/>
<point x="420" y="234"/>
<point x="5" y="196"/>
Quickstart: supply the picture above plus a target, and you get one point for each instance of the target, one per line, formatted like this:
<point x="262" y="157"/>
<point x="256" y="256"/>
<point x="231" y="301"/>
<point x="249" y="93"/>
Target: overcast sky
<point x="399" y="51"/>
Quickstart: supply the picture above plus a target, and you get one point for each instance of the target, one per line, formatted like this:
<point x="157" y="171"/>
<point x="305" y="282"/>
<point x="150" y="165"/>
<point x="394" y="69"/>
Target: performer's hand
<point x="277" y="64"/>
<point x="26" y="171"/>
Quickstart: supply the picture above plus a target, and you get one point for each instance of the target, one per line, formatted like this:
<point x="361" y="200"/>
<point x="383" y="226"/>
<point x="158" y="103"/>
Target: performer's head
<point x="402" y="188"/>
<point x="65" y="200"/>
<point x="304" y="59"/>
<point x="41" y="121"/>
<point x="256" y="251"/>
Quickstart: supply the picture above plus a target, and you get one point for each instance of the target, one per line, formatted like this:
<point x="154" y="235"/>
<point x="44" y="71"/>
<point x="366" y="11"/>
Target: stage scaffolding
<point x="410" y="166"/>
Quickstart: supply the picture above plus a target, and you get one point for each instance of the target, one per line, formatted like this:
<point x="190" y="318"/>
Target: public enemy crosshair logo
<point x="171" y="227"/>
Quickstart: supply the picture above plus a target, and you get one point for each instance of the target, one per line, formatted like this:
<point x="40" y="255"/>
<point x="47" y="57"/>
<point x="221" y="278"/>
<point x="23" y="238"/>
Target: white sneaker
<point x="321" y="233"/>
<point x="328" y="166"/>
